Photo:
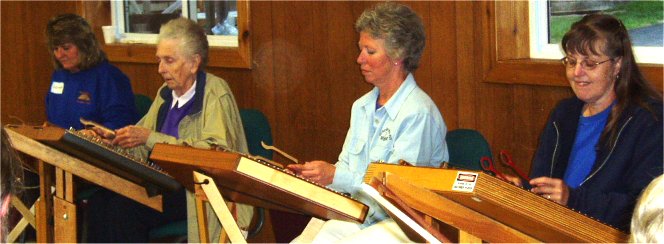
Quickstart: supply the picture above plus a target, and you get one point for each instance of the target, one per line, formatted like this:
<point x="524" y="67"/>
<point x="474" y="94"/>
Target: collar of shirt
<point x="182" y="100"/>
<point x="393" y="105"/>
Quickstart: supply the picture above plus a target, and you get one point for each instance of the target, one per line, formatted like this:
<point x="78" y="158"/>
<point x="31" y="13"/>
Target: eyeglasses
<point x="585" y="64"/>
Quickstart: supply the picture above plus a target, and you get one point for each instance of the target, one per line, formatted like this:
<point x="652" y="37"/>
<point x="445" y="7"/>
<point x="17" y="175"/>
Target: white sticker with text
<point x="465" y="181"/>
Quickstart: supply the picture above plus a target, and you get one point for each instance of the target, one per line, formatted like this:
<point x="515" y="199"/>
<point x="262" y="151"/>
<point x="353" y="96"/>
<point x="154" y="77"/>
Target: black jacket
<point x="620" y="172"/>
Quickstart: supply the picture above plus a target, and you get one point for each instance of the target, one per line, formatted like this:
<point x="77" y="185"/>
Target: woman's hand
<point x="514" y="180"/>
<point x="96" y="132"/>
<point x="131" y="136"/>
<point x="317" y="171"/>
<point x="551" y="188"/>
<point x="90" y="132"/>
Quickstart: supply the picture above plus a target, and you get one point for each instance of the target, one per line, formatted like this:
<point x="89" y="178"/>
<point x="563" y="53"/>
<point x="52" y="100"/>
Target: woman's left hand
<point x="551" y="188"/>
<point x="515" y="180"/>
<point x="317" y="171"/>
<point x="131" y="136"/>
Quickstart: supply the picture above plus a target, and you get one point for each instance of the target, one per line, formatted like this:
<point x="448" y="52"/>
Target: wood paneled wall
<point x="304" y="75"/>
<point x="26" y="65"/>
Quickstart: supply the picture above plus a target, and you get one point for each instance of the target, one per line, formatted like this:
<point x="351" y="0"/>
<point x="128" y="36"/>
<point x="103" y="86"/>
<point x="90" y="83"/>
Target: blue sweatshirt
<point x="102" y="94"/>
<point x="620" y="172"/>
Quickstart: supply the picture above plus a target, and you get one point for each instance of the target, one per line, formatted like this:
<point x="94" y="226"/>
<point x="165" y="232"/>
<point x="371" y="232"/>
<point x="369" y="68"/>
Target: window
<point x="138" y="21"/>
<point x="549" y="20"/>
<point x="508" y="49"/>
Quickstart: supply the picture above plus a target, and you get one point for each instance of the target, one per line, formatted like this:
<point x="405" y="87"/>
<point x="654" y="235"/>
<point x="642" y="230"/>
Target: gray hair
<point x="648" y="218"/>
<point x="400" y="27"/>
<point x="193" y="38"/>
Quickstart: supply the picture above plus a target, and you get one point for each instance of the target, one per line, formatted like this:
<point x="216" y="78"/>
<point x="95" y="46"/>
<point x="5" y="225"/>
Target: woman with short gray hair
<point x="394" y="121"/>
<point x="400" y="27"/>
<point x="192" y="107"/>
<point x="193" y="38"/>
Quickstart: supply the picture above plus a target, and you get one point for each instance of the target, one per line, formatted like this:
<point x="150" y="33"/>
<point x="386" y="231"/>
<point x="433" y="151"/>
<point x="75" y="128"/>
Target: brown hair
<point x="11" y="175"/>
<point x="71" y="28"/>
<point x="605" y="34"/>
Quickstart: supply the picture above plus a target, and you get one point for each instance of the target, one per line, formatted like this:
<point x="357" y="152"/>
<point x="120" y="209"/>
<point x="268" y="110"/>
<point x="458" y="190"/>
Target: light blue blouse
<point x="409" y="127"/>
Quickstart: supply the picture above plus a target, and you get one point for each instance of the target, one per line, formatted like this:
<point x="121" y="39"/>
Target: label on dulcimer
<point x="465" y="181"/>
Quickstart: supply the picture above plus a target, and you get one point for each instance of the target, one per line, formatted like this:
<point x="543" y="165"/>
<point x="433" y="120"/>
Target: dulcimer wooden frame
<point x="62" y="206"/>
<point x="250" y="180"/>
<point x="486" y="208"/>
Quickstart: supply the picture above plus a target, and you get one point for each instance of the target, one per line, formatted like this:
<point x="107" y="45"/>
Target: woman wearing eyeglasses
<point x="602" y="147"/>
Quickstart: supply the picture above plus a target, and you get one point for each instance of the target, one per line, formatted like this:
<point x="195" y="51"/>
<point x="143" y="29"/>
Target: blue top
<point x="582" y="157"/>
<point x="409" y="127"/>
<point x="174" y="117"/>
<point x="102" y="94"/>
<point x="621" y="170"/>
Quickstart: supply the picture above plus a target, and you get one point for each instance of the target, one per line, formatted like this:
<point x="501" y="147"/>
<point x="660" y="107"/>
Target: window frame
<point x="539" y="32"/>
<point x="540" y="48"/>
<point x="118" y="19"/>
<point x="219" y="56"/>
<point x="507" y="26"/>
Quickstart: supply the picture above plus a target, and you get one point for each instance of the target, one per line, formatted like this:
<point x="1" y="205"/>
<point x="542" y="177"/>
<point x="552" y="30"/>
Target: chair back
<point x="466" y="148"/>
<point x="256" y="129"/>
<point x="143" y="104"/>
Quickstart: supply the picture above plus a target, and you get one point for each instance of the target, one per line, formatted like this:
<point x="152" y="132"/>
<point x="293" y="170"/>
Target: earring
<point x="396" y="63"/>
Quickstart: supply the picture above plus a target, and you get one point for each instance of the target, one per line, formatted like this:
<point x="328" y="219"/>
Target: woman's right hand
<point x="104" y="135"/>
<point x="317" y="171"/>
<point x="101" y="133"/>
<point x="131" y="136"/>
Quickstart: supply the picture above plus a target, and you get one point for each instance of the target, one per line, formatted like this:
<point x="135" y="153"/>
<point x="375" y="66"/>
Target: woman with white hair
<point x="192" y="108"/>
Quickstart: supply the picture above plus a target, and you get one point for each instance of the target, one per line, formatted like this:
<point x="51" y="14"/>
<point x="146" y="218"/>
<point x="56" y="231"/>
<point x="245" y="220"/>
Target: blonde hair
<point x="648" y="218"/>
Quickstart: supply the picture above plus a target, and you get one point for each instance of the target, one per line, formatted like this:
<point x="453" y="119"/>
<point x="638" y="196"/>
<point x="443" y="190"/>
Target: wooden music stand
<point x="61" y="206"/>
<point x="207" y="190"/>
<point x="485" y="208"/>
<point x="28" y="218"/>
<point x="243" y="179"/>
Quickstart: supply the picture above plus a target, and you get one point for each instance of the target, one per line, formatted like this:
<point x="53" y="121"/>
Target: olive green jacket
<point x="214" y="119"/>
